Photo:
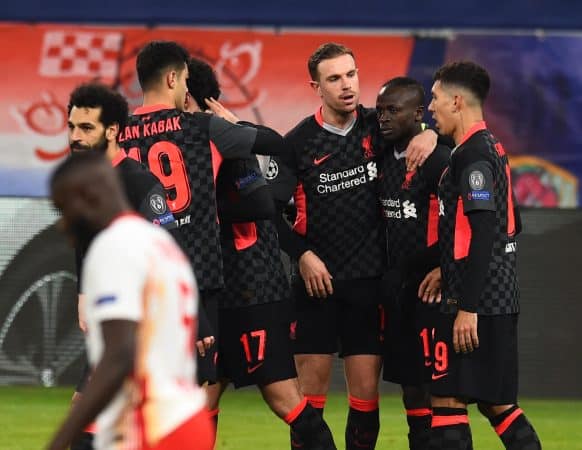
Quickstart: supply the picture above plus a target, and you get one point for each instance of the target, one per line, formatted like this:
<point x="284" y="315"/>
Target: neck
<point x="112" y="150"/>
<point x="154" y="97"/>
<point x="338" y="119"/>
<point x="467" y="119"/>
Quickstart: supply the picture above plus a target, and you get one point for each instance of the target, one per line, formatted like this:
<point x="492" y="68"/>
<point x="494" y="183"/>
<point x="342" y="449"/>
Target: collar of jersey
<point x="119" y="156"/>
<point x="151" y="108"/>
<point x="331" y="128"/>
<point x="479" y="126"/>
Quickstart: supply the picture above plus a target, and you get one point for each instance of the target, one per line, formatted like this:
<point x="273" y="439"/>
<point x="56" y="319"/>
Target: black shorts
<point x="489" y="374"/>
<point x="206" y="366"/>
<point x="255" y="344"/>
<point x="408" y="338"/>
<point x="349" y="322"/>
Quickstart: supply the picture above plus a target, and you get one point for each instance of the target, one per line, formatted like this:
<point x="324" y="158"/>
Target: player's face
<point x="398" y="113"/>
<point x="181" y="88"/>
<point x="86" y="132"/>
<point x="338" y="84"/>
<point x="443" y="109"/>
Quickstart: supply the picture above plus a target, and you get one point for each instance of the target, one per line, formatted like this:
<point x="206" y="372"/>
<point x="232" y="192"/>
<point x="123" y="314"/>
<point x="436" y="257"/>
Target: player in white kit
<point x="141" y="317"/>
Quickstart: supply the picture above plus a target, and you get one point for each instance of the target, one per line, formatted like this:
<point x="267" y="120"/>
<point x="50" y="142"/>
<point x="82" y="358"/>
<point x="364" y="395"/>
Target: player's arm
<point x="419" y="149"/>
<point x="243" y="193"/>
<point x="313" y="270"/>
<point x="240" y="140"/>
<point x="108" y="377"/>
<point x="428" y="260"/>
<point x="476" y="187"/>
<point x="79" y="256"/>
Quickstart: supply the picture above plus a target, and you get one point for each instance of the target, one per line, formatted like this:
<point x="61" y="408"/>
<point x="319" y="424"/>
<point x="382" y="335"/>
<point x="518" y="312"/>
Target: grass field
<point x="29" y="415"/>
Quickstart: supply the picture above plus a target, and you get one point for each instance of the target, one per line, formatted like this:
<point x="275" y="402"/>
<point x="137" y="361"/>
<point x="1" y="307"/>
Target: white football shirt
<point x="135" y="271"/>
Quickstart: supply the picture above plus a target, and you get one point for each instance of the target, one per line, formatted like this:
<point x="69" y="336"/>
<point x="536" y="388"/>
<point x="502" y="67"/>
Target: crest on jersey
<point x="158" y="204"/>
<point x="476" y="180"/>
<point x="272" y="170"/>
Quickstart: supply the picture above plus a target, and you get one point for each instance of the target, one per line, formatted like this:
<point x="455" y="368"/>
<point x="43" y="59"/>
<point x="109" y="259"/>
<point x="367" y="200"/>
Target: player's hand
<point x="81" y="313"/>
<point x="218" y="109"/>
<point x="465" y="337"/>
<point x="419" y="149"/>
<point x="204" y="344"/>
<point x="429" y="290"/>
<point x="315" y="275"/>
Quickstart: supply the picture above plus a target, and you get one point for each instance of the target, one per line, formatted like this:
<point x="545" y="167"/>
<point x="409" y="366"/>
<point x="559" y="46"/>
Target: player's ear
<point x="112" y="132"/>
<point x="315" y="86"/>
<point x="171" y="79"/>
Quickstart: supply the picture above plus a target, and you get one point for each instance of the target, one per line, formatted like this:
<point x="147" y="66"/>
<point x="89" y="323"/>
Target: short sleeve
<point x="476" y="185"/>
<point x="114" y="280"/>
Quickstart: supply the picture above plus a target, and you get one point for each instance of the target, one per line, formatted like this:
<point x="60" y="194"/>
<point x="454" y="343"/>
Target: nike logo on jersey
<point x="318" y="161"/>
<point x="251" y="369"/>
<point x="438" y="377"/>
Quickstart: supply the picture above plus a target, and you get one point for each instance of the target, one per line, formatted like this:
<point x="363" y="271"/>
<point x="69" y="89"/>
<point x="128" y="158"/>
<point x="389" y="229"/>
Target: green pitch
<point x="29" y="415"/>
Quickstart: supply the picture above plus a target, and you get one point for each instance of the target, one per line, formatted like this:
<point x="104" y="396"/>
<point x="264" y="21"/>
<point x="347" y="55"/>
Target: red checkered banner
<point x="80" y="54"/>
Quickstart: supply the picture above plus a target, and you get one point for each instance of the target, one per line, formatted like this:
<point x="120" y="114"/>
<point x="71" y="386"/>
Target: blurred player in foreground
<point x="141" y="300"/>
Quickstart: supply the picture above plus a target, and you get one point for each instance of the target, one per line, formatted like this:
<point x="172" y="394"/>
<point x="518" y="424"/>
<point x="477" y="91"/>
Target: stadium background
<point x="259" y="50"/>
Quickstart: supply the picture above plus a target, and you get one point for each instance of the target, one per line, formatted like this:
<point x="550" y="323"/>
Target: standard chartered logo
<point x="372" y="170"/>
<point x="347" y="179"/>
<point x="395" y="209"/>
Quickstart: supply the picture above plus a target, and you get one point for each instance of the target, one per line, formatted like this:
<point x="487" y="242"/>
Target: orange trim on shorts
<point x="444" y="421"/>
<point x="419" y="412"/>
<point x="289" y="418"/>
<point x="503" y="426"/>
<point x="363" y="405"/>
<point x="317" y="401"/>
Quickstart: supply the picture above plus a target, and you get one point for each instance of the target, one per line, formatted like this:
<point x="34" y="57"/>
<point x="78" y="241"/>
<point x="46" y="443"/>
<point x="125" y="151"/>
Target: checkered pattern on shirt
<point x="198" y="221"/>
<point x="407" y="223"/>
<point x="501" y="293"/>
<point x="344" y="228"/>
<point x="255" y="275"/>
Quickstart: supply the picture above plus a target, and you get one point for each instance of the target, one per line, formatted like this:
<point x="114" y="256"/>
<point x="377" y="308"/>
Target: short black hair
<point x="406" y="83"/>
<point x="202" y="82"/>
<point x="465" y="74"/>
<point x="325" y="51"/>
<point x="114" y="108"/>
<point x="155" y="58"/>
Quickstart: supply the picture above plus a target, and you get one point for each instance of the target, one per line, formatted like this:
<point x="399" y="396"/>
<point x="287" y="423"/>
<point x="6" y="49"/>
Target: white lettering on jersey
<point x="343" y="180"/>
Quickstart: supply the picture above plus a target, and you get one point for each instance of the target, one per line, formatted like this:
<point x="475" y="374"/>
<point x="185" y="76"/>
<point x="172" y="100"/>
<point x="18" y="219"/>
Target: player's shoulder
<point x="305" y="126"/>
<point x="131" y="170"/>
<point x="476" y="148"/>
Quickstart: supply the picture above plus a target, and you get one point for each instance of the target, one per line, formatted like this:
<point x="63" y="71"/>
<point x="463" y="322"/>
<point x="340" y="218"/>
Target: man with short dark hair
<point x="185" y="151"/>
<point x="141" y="301"/>
<point x="255" y="312"/>
<point x="338" y="240"/>
<point x="475" y="340"/>
<point x="97" y="113"/>
<point x="410" y="208"/>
